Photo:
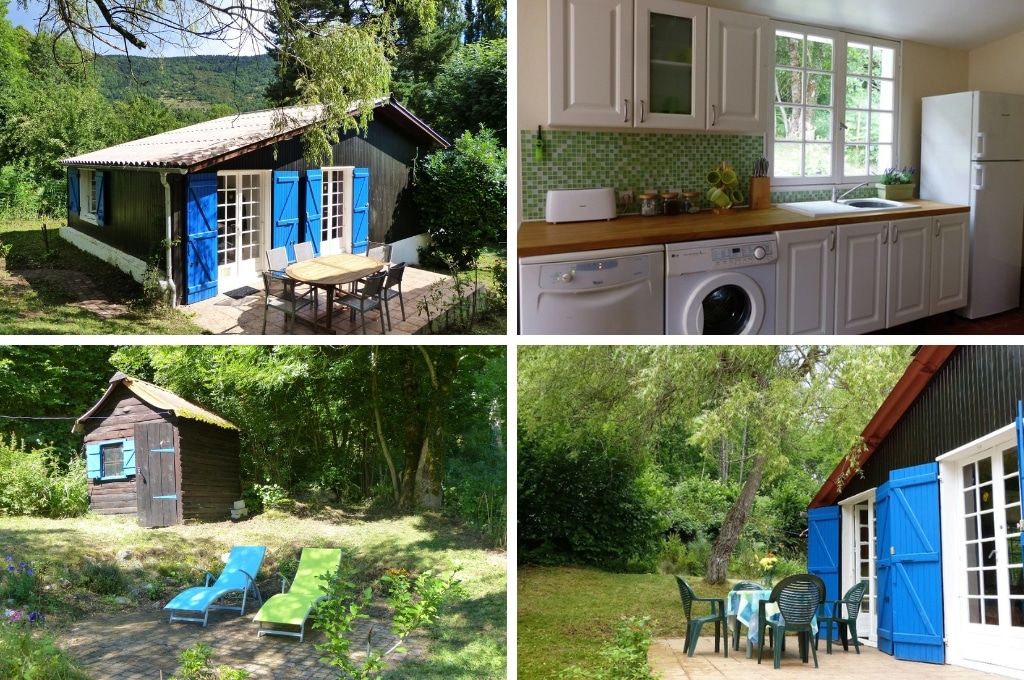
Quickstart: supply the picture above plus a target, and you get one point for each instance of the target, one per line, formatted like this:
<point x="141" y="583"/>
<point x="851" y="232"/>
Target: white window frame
<point x="850" y="558"/>
<point x="239" y="271"/>
<point x="87" y="195"/>
<point x="840" y="42"/>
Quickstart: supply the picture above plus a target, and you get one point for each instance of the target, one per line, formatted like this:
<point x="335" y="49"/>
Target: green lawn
<point x="470" y="641"/>
<point x="50" y="305"/>
<point x="565" y="614"/>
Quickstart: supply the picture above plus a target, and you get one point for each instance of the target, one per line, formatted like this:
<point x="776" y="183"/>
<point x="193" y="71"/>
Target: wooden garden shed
<point x="929" y="513"/>
<point x="153" y="454"/>
<point x="205" y="202"/>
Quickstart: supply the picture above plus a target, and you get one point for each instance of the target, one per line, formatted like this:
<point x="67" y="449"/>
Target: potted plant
<point x="896" y="185"/>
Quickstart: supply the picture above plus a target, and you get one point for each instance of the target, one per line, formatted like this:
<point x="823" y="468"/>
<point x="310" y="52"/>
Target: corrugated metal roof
<point x="158" y="398"/>
<point x="187" y="146"/>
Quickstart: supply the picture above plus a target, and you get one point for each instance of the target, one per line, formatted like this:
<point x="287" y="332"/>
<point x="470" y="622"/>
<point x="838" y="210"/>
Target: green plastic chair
<point x="797" y="598"/>
<point x="694" y="624"/>
<point x="852" y="599"/>
<point x="292" y="608"/>
<point x="742" y="585"/>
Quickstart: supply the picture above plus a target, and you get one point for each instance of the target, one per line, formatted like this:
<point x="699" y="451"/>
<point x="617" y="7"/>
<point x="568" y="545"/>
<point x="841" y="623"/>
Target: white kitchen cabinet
<point x="909" y="270"/>
<point x="862" y="253"/>
<point x="647" y="64"/>
<point x="590" y="49"/>
<point x="949" y="263"/>
<point x="805" y="281"/>
<point x="739" y="70"/>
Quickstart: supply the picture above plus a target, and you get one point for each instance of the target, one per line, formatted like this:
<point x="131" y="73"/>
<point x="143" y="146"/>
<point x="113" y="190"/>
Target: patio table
<point x="742" y="605"/>
<point x="330" y="271"/>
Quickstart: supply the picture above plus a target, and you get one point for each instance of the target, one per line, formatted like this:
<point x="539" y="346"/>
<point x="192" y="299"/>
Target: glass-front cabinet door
<point x="670" y="71"/>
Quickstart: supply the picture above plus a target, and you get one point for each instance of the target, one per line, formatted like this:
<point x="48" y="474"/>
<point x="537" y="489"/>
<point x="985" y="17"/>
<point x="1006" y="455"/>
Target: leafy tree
<point x="461" y="196"/>
<point x="470" y="91"/>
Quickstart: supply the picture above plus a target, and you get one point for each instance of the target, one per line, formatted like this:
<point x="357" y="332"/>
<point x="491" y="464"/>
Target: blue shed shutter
<point x="74" y="195"/>
<point x="312" y="188"/>
<point x="93" y="465"/>
<point x="100" y="180"/>
<point x="915" y="570"/>
<point x="360" y="209"/>
<point x="201" y="244"/>
<point x="1020" y="455"/>
<point x="128" y="447"/>
<point x="823" y="548"/>
<point x="883" y="567"/>
<point x="286" y="212"/>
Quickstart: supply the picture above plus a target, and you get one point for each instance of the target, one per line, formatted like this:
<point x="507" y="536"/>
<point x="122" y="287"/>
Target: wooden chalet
<point x="208" y="200"/>
<point x="929" y="513"/>
<point x="153" y="454"/>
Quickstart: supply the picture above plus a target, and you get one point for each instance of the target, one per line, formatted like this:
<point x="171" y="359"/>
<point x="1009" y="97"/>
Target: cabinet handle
<point x="938" y="226"/>
<point x="832" y="241"/>
<point x="625" y="107"/>
<point x="641" y="110"/>
<point x="885" y="234"/>
<point x="895" y="233"/>
<point x="714" y="115"/>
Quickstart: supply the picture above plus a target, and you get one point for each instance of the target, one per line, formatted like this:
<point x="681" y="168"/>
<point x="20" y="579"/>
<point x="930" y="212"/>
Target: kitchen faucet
<point x="846" y="193"/>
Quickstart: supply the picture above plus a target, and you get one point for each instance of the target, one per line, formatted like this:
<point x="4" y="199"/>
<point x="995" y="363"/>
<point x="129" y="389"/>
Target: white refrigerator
<point x="972" y="152"/>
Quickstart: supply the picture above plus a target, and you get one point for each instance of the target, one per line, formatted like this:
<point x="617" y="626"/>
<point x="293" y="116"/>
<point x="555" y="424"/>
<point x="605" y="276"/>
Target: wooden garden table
<point x="330" y="271"/>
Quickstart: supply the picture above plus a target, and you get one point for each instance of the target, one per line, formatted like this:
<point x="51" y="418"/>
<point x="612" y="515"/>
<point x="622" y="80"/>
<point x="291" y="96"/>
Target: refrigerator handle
<point x="979" y="177"/>
<point x="979" y="146"/>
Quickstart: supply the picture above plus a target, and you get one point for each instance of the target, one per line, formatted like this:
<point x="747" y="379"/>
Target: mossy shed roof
<point x="156" y="397"/>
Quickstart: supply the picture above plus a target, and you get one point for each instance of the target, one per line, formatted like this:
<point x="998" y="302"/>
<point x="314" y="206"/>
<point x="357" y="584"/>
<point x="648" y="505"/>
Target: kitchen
<point x="588" y="119"/>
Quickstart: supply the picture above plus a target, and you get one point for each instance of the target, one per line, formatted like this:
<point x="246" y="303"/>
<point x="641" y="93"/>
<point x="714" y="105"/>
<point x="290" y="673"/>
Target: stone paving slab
<point x="143" y="644"/>
<point x="668" y="658"/>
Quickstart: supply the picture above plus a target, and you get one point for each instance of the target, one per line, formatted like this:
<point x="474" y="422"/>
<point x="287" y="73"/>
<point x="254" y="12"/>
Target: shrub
<point x="103" y="579"/>
<point x="624" y="658"/>
<point x="679" y="558"/>
<point x="27" y="655"/>
<point x="462" y="195"/>
<point x="35" y="483"/>
<point x="476" y="494"/>
<point x="195" y="665"/>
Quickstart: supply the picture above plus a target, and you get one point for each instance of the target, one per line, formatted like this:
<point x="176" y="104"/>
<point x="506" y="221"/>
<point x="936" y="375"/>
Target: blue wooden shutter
<point x="128" y="447"/>
<point x="100" y="187"/>
<point x="313" y="186"/>
<point x="360" y="209"/>
<point x="286" y="212"/>
<point x="1020" y="457"/>
<point x="201" y="244"/>
<point x="74" y="195"/>
<point x="93" y="466"/>
<point x="916" y="567"/>
<point x="823" y="548"/>
<point x="883" y="566"/>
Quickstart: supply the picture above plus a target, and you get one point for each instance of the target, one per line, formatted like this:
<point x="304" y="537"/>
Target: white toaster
<point x="579" y="205"/>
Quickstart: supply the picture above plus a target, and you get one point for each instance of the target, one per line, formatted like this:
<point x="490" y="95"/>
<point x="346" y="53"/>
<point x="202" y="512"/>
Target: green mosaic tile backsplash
<point x="580" y="159"/>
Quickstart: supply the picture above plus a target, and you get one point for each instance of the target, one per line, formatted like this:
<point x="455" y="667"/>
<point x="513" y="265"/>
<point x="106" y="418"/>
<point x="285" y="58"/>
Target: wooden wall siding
<point x="210" y="470"/>
<point x="973" y="394"/>
<point x="135" y="214"/>
<point x="113" y="497"/>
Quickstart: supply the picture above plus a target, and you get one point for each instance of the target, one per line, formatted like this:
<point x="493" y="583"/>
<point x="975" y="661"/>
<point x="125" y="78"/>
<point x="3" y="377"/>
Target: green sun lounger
<point x="239" y="576"/>
<point x="292" y="608"/>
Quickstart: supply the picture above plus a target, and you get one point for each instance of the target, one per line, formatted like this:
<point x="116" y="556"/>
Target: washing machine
<point x="721" y="287"/>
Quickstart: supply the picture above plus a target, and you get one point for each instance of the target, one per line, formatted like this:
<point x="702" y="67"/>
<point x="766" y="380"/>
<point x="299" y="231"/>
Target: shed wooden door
<point x="156" y="482"/>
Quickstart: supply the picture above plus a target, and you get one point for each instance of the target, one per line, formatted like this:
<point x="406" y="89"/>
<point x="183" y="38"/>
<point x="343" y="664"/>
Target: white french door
<point x="982" y="552"/>
<point x="859" y="559"/>
<point x="336" y="216"/>
<point x="243" y="206"/>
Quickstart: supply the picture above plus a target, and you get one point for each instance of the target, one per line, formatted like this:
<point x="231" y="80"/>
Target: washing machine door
<point x="724" y="303"/>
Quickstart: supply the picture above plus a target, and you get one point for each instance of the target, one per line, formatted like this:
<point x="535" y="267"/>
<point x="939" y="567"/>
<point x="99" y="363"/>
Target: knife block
<point x="760" y="193"/>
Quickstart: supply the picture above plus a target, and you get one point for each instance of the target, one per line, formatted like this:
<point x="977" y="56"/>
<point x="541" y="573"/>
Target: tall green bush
<point x="462" y="194"/>
<point x="33" y="482"/>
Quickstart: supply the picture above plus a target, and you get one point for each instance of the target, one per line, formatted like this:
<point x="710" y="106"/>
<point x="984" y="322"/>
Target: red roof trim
<point x="926" y="363"/>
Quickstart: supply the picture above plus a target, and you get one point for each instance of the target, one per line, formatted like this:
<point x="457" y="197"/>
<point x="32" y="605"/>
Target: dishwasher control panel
<point x="572" y="276"/>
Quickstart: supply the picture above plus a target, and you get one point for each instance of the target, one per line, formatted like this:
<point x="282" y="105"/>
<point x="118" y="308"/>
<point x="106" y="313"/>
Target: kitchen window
<point x="835" y="106"/>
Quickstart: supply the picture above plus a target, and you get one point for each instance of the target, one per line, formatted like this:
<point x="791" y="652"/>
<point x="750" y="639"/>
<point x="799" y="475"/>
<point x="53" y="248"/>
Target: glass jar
<point x="649" y="204"/>
<point x="670" y="203"/>
<point x="691" y="202"/>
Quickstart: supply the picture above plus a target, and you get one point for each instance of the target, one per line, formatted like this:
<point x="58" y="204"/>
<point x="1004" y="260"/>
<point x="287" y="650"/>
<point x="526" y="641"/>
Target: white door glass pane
<point x="818" y="160"/>
<point x="788" y="160"/>
<point x="819" y="127"/>
<point x="857" y="93"/>
<point x="884" y="62"/>
<point x="819" y="53"/>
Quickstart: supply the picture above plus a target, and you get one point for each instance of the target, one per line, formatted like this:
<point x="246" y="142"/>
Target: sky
<point x="30" y="19"/>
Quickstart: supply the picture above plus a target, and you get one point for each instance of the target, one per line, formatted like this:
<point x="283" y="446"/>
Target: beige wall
<point x="927" y="70"/>
<point x="532" y="64"/>
<point x="998" y="67"/>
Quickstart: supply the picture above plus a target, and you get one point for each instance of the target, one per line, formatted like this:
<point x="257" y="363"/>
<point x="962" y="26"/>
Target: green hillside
<point x="188" y="82"/>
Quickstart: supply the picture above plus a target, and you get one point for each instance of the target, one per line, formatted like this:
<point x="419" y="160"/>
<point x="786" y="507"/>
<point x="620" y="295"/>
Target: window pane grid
<point x="239" y="217"/>
<point x="804" y="106"/>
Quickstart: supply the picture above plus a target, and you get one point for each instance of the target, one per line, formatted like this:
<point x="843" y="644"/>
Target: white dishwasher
<point x="618" y="291"/>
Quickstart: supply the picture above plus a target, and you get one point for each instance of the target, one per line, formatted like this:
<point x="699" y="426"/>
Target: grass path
<point x="470" y="641"/>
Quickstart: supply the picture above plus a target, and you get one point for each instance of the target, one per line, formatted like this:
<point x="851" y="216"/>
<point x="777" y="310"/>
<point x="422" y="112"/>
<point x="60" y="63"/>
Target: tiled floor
<point x="1007" y="323"/>
<point x="668" y="658"/>
<point x="244" y="316"/>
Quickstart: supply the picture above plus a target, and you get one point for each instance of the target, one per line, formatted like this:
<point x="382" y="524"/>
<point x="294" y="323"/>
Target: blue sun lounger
<point x="239" y="575"/>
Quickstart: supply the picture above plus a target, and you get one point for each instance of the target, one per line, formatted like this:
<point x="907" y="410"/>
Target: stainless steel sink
<point x="847" y="206"/>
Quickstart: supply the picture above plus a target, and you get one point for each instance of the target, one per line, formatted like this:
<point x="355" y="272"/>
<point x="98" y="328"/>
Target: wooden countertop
<point x="542" y="238"/>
